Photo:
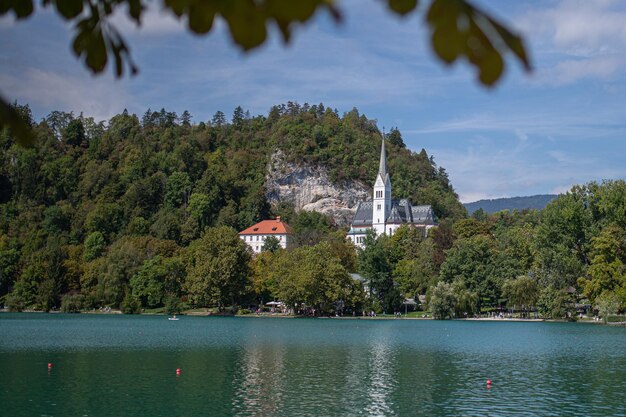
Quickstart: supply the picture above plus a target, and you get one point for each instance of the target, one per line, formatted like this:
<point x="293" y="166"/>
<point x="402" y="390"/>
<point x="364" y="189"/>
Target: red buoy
<point x="489" y="382"/>
<point x="49" y="365"/>
<point x="177" y="371"/>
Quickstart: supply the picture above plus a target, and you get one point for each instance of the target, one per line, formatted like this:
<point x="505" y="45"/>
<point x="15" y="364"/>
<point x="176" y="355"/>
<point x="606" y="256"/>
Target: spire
<point x="382" y="167"/>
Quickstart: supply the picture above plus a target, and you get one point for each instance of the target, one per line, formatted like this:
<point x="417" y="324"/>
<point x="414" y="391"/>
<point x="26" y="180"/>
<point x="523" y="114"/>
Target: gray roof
<point x="401" y="212"/>
<point x="363" y="215"/>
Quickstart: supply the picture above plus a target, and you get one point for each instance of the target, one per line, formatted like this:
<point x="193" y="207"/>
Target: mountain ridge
<point x="490" y="206"/>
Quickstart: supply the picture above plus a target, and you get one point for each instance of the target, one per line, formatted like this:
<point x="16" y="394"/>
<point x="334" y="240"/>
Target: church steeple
<point x="382" y="166"/>
<point x="381" y="205"/>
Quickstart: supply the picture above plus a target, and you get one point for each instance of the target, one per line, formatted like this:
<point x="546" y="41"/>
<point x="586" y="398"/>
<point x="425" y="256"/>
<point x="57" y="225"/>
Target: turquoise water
<point x="126" y="366"/>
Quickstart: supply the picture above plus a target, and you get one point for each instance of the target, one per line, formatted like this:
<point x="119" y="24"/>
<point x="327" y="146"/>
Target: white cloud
<point x="577" y="40"/>
<point x="561" y="189"/>
<point x="494" y="167"/>
<point x="100" y="97"/>
<point x="601" y="67"/>
<point x="7" y="22"/>
<point x="154" y="22"/>
<point x="522" y="123"/>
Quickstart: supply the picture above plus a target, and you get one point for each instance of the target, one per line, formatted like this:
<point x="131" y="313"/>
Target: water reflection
<point x="255" y="367"/>
<point x="258" y="381"/>
<point x="381" y="381"/>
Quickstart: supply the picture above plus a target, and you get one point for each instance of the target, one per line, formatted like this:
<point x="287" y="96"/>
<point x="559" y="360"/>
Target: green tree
<point x="265" y="274"/>
<point x="106" y="218"/>
<point x="395" y="137"/>
<point x="608" y="263"/>
<point x="185" y="119"/>
<point x="466" y="300"/>
<point x="157" y="279"/>
<point x="9" y="264"/>
<point x="442" y="301"/>
<point x="200" y="208"/>
<point x="607" y="303"/>
<point x="95" y="244"/>
<point x="563" y="238"/>
<point x="521" y="292"/>
<point x="219" y="119"/>
<point x="310" y="227"/>
<point x="130" y="304"/>
<point x="405" y="243"/>
<point x="74" y="133"/>
<point x="177" y="189"/>
<point x="466" y="228"/>
<point x="218" y="271"/>
<point x="312" y="276"/>
<point x="271" y="244"/>
<point x="472" y="261"/>
<point x="106" y="280"/>
<point x="238" y="116"/>
<point x="375" y="265"/>
<point x="555" y="303"/>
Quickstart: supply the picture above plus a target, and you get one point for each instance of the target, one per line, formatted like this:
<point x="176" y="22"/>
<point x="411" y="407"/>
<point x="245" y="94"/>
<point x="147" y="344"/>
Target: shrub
<point x="173" y="305"/>
<point x="72" y="303"/>
<point x="130" y="304"/>
<point x="14" y="302"/>
<point x="615" y="319"/>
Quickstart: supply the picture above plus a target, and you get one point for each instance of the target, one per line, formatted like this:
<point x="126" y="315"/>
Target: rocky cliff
<point x="310" y="188"/>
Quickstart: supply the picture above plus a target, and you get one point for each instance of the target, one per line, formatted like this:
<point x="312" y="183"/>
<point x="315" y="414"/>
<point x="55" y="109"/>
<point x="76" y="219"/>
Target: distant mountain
<point x="537" y="202"/>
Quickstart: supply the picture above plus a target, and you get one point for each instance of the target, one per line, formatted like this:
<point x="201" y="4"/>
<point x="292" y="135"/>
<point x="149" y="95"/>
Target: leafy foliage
<point x="141" y="214"/>
<point x="442" y="301"/>
<point x="217" y="268"/>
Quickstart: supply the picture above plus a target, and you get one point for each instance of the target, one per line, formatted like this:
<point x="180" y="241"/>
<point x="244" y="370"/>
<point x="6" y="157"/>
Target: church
<point x="383" y="214"/>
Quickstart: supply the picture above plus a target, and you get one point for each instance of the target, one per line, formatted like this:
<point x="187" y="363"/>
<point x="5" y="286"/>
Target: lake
<point x="111" y="365"/>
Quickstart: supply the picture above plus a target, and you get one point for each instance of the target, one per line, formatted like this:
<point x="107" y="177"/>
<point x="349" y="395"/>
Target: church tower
<point x="381" y="206"/>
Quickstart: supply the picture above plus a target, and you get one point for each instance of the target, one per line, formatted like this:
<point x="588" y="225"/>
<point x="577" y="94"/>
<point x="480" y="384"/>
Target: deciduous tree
<point x="218" y="271"/>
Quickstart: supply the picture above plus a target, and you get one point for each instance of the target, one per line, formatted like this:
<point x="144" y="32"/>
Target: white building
<point x="255" y="235"/>
<point x="383" y="214"/>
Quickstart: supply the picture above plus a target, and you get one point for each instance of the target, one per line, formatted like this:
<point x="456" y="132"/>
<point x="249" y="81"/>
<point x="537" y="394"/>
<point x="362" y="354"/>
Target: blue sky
<point x="563" y="124"/>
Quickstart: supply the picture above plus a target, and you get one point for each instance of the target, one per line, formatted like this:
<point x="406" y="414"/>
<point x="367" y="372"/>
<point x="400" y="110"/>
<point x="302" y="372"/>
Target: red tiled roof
<point x="269" y="227"/>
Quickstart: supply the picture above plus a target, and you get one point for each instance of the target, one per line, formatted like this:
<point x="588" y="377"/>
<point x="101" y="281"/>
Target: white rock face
<point x="309" y="188"/>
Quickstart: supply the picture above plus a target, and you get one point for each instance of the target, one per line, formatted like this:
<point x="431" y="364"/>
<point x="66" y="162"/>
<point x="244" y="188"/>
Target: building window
<point x="257" y="238"/>
<point x="390" y="231"/>
<point x="280" y="238"/>
<point x="378" y="207"/>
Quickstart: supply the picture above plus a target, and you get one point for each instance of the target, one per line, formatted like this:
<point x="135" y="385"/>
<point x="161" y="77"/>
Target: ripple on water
<point x="109" y="366"/>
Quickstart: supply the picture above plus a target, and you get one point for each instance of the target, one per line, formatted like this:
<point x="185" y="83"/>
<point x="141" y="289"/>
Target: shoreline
<point x="286" y="316"/>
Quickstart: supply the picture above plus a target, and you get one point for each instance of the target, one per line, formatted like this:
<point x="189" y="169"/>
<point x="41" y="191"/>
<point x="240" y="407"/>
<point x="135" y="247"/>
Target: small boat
<point x="173" y="318"/>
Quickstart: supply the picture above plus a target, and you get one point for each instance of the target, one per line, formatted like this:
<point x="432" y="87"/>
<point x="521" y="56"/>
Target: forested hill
<point x="163" y="177"/>
<point x="536" y="202"/>
<point x="154" y="167"/>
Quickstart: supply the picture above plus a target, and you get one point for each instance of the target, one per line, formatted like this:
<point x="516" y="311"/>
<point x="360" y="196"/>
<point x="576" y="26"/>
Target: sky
<point x="538" y="133"/>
